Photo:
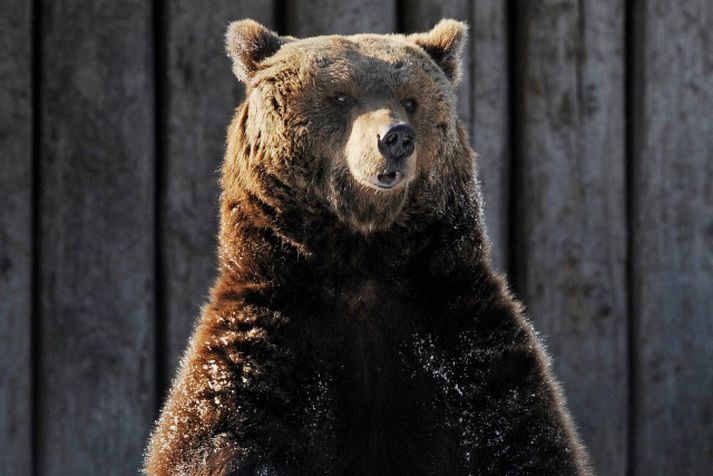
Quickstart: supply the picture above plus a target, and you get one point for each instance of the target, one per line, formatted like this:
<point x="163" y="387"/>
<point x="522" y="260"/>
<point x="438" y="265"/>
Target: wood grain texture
<point x="490" y="123"/>
<point x="672" y="242"/>
<point x="325" y="17"/>
<point x="571" y="208"/>
<point x="201" y="94"/>
<point x="15" y="236"/>
<point x="96" y="366"/>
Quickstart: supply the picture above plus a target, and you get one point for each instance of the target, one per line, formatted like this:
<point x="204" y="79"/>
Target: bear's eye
<point x="409" y="105"/>
<point x="341" y="99"/>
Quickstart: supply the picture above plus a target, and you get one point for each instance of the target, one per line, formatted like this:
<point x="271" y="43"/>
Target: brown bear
<point x="356" y="326"/>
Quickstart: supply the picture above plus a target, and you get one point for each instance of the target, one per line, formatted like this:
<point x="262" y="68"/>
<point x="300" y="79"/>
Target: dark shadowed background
<point x="594" y="124"/>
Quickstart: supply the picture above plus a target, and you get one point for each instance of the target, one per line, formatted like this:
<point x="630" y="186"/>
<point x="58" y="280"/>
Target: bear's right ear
<point x="248" y="43"/>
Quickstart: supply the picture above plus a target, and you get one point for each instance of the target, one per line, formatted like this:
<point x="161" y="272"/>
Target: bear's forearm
<point x="217" y="455"/>
<point x="495" y="376"/>
<point x="522" y="425"/>
<point x="227" y="408"/>
<point x="201" y="433"/>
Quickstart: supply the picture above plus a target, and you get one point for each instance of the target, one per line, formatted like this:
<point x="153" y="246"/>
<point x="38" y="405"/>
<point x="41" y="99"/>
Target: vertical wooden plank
<point x="672" y="237"/>
<point x="201" y="94"/>
<point x="325" y="17"/>
<point x="571" y="225"/>
<point x="96" y="370"/>
<point x="15" y="236"/>
<point x="490" y="118"/>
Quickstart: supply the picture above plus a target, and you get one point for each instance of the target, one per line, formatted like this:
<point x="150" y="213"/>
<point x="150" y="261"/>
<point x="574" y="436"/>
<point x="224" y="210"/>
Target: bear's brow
<point x="361" y="81"/>
<point x="335" y="67"/>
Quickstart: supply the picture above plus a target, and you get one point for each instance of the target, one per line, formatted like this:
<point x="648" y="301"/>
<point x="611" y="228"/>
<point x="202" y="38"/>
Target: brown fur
<point x="354" y="330"/>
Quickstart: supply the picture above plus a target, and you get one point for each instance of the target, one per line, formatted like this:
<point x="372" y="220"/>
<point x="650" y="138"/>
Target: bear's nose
<point x="396" y="141"/>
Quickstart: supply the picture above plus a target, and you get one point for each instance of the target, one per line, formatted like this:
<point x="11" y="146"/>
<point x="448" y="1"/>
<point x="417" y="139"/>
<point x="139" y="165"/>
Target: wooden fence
<point x="594" y="124"/>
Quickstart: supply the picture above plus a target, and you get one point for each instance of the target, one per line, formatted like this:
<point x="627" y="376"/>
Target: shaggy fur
<point x="354" y="330"/>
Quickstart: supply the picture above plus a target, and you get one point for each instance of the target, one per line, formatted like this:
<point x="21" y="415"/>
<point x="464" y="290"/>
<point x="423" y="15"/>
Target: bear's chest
<point x="380" y="388"/>
<point x="403" y="410"/>
<point x="388" y="394"/>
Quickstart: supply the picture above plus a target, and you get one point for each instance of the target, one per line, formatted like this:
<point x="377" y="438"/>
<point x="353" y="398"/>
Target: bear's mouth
<point x="387" y="179"/>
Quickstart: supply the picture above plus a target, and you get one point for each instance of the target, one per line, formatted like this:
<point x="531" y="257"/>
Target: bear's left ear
<point x="444" y="44"/>
<point x="247" y="43"/>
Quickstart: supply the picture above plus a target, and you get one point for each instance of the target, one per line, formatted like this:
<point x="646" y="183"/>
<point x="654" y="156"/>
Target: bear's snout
<point x="396" y="143"/>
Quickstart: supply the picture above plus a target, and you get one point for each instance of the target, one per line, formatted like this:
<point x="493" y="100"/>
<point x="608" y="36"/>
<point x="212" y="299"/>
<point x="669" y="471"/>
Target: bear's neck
<point x="264" y="249"/>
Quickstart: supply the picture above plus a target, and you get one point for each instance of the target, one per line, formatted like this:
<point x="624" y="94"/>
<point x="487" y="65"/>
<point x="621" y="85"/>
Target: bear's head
<point x="362" y="125"/>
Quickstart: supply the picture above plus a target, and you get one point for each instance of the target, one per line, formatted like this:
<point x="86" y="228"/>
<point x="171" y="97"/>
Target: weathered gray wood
<point x="15" y="236"/>
<point x="490" y="118"/>
<point x="201" y="95"/>
<point x="571" y="226"/>
<point x="672" y="237"/>
<point x="96" y="367"/>
<point x="325" y="17"/>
